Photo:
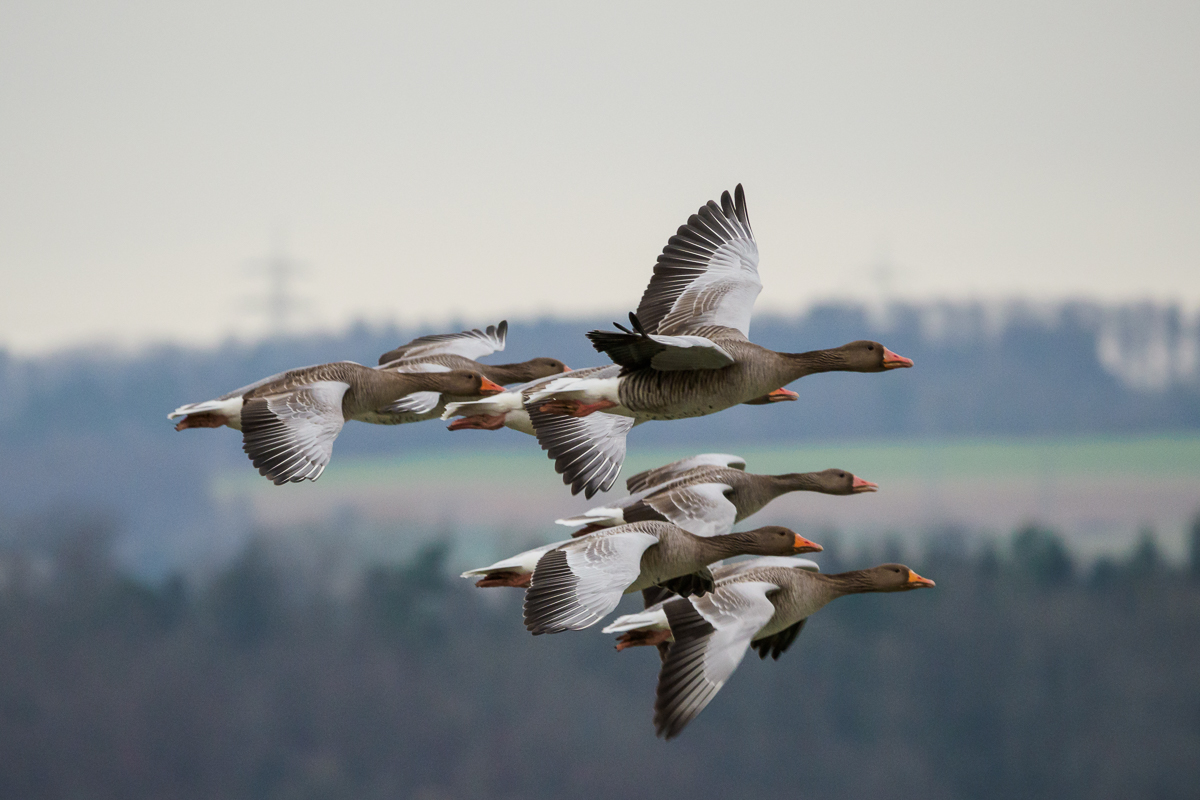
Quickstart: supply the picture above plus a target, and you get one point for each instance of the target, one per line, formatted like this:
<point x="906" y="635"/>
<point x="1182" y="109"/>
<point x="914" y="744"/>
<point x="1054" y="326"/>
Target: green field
<point x="1141" y="457"/>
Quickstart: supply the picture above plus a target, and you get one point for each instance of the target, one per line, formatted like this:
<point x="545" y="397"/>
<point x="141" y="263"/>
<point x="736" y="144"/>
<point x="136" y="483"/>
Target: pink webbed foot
<point x="201" y="421"/>
<point x="478" y="422"/>
<point x="519" y="580"/>
<point x="642" y="638"/>
<point x="575" y="408"/>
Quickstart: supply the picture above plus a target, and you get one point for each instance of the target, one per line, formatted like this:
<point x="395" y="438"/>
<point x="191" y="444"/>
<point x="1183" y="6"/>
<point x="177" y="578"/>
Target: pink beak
<point x="859" y="486"/>
<point x="893" y="361"/>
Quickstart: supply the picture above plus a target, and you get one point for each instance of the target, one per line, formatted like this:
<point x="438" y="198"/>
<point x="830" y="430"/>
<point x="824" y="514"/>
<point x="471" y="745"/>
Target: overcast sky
<point x="482" y="160"/>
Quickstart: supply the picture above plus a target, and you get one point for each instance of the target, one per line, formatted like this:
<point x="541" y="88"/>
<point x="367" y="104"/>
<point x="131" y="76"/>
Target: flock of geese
<point x="686" y="353"/>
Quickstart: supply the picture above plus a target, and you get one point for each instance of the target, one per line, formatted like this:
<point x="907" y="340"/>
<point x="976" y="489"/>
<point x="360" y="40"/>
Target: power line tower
<point x="279" y="304"/>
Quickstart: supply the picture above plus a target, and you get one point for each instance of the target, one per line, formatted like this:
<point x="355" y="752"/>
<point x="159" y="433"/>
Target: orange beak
<point x="803" y="545"/>
<point x="488" y="387"/>
<point x="859" y="486"/>
<point x="917" y="581"/>
<point x="780" y="395"/>
<point x="893" y="361"/>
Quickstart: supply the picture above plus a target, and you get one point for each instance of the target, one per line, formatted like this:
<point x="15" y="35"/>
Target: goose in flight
<point x="709" y="499"/>
<point x="289" y="421"/>
<point x="580" y="582"/>
<point x="687" y="351"/>
<point x="760" y="607"/>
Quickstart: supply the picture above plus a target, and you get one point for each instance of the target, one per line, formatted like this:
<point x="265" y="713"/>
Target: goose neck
<point x="814" y="361"/>
<point x="854" y="582"/>
<point x="791" y="482"/>
<point x="735" y="544"/>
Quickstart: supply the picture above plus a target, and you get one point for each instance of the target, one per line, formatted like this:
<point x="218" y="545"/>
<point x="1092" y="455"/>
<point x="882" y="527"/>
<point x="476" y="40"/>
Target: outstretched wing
<point x="701" y="508"/>
<point x="676" y="469"/>
<point x="581" y="582"/>
<point x="707" y="274"/>
<point x="289" y="435"/>
<point x="472" y="344"/>
<point x="587" y="451"/>
<point x="711" y="633"/>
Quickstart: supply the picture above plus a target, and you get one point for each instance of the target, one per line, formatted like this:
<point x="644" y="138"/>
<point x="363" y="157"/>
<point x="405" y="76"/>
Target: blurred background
<point x="195" y="198"/>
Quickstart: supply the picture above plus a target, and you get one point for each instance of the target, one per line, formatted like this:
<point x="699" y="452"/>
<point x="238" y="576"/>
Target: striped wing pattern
<point x="712" y="634"/>
<point x="587" y="451"/>
<point x="289" y="436"/>
<point x="707" y="274"/>
<point x="676" y="469"/>
<point x="701" y="508"/>
<point x="578" y="584"/>
<point x="471" y="344"/>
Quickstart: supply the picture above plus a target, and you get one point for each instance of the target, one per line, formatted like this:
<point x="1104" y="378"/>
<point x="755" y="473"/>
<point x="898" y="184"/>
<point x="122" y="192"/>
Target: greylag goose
<point x="289" y="421"/>
<point x="760" y="607"/>
<point x="578" y="583"/>
<point x="708" y="500"/>
<point x="687" y="353"/>
<point x="587" y="451"/>
<point x="650" y="626"/>
<point x="443" y="352"/>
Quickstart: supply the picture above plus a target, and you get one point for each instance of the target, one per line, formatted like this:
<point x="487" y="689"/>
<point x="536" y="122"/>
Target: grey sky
<point x="500" y="159"/>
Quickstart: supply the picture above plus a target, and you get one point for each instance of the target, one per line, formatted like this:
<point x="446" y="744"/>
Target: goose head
<point x="892" y="578"/>
<point x="775" y="540"/>
<point x="868" y="356"/>
<point x="543" y="368"/>
<point x="840" y="481"/>
<point x="464" y="382"/>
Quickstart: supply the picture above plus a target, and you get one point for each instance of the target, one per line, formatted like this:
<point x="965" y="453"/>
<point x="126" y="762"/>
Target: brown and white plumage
<point x="578" y="583"/>
<point x="710" y="499"/>
<point x="661" y="475"/>
<point x="591" y="448"/>
<point x="289" y="421"/>
<point x="763" y="605"/>
<point x="687" y="351"/>
<point x="443" y="352"/>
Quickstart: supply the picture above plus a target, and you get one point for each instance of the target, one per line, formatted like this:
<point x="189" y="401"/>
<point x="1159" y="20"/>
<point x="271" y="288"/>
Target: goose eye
<point x="870" y="347"/>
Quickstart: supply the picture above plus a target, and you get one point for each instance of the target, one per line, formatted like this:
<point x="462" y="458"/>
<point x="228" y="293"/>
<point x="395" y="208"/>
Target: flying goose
<point x="687" y="352"/>
<point x="650" y="626"/>
<point x="443" y="352"/>
<point x="708" y="500"/>
<point x="578" y="583"/>
<point x="289" y="421"/>
<point x="760" y="607"/>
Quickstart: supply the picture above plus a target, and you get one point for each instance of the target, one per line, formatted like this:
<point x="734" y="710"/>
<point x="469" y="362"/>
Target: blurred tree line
<point x="1022" y="674"/>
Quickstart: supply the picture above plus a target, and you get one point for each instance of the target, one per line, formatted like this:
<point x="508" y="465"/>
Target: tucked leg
<point x="575" y="408"/>
<point x="479" y="422"/>
<point x="642" y="638"/>
<point x="201" y="421"/>
<point x="519" y="580"/>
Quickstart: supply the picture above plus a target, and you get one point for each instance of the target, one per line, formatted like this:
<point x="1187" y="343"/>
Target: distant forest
<point x="1020" y="675"/>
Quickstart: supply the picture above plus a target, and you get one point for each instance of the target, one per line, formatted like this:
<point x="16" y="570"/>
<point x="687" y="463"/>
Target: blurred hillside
<point x="1021" y="675"/>
<point x="86" y="430"/>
